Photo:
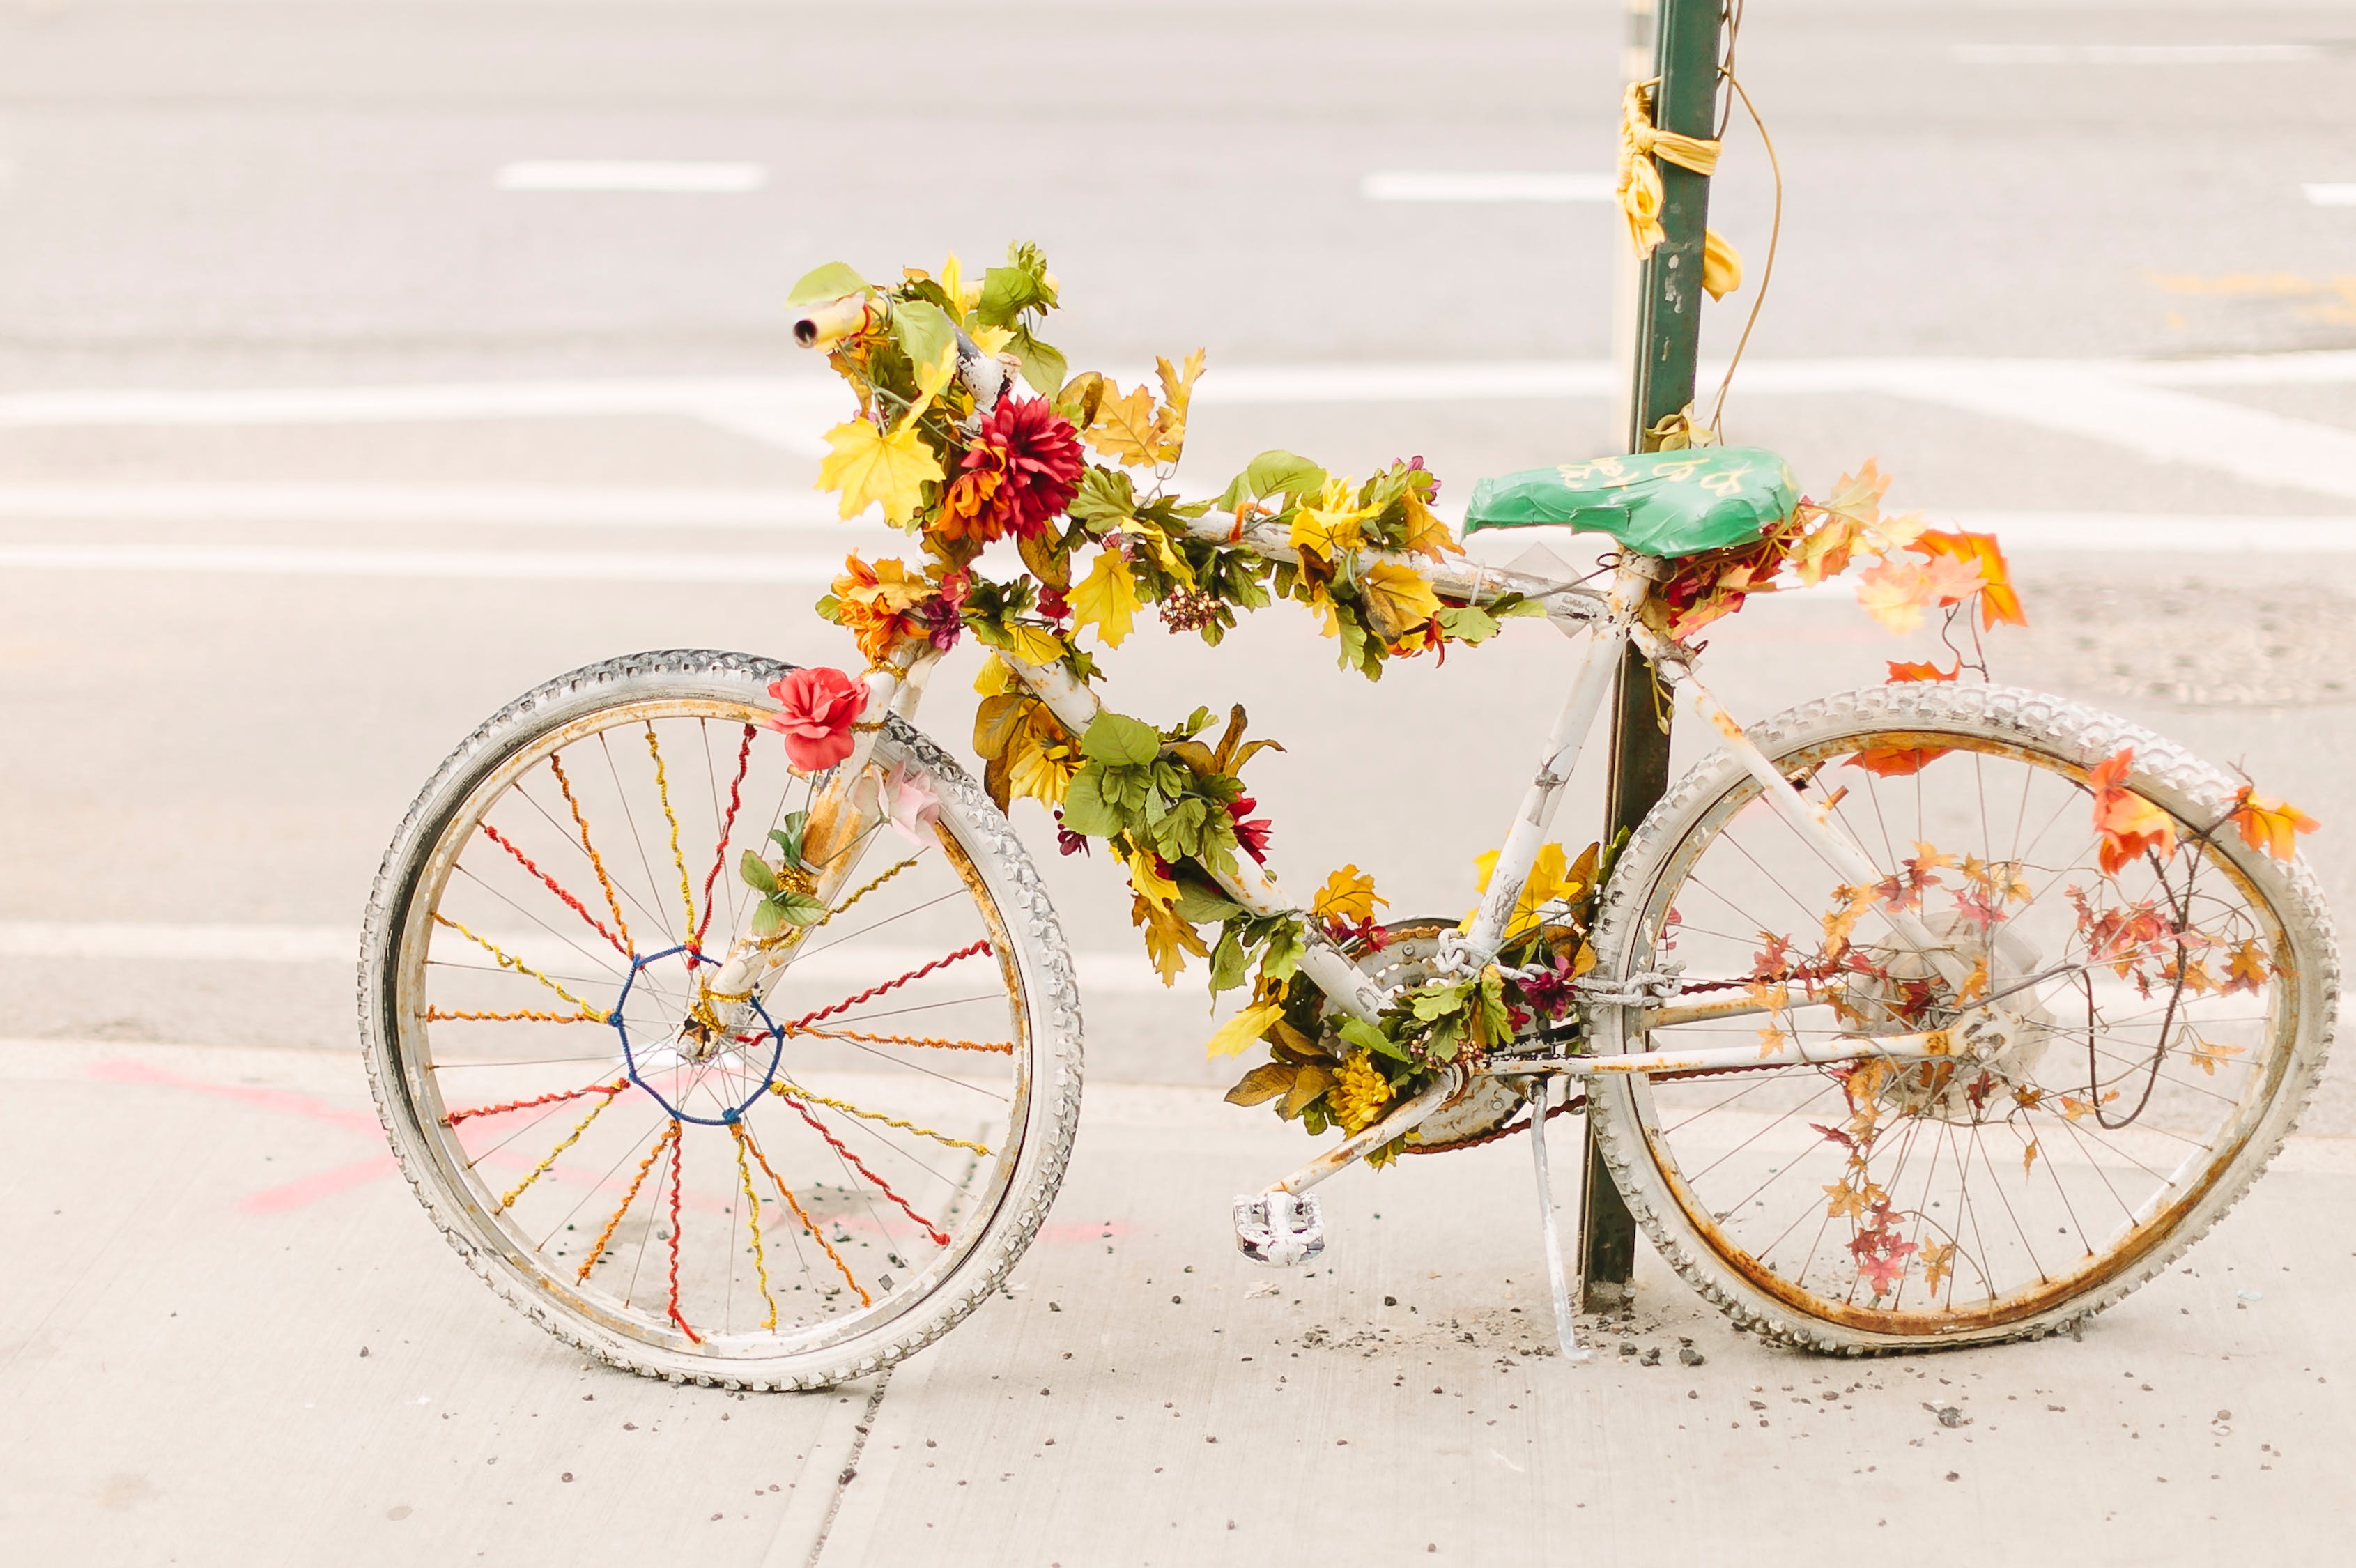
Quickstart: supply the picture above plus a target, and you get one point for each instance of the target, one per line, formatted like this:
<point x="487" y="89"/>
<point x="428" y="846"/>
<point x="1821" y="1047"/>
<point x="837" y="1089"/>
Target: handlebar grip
<point x="827" y="322"/>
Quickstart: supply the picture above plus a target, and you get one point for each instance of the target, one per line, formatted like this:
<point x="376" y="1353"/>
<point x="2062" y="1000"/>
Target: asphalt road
<point x="2017" y="246"/>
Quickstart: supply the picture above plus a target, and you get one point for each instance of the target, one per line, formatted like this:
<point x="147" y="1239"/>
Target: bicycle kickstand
<point x="1540" y="1094"/>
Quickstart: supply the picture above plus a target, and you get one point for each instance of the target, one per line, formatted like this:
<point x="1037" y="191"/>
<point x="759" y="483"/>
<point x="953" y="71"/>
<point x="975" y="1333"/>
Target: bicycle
<point x="1861" y="1101"/>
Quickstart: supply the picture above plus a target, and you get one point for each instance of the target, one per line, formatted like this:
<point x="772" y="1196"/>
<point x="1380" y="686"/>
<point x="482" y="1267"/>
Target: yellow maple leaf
<point x="997" y="676"/>
<point x="1938" y="1262"/>
<point x="1125" y="429"/>
<point x="1177" y="391"/>
<point x="1426" y="535"/>
<point x="1034" y="644"/>
<point x="2273" y="826"/>
<point x="1239" y="1032"/>
<point x="1106" y="598"/>
<point x="1332" y="525"/>
<point x="1845" y="1199"/>
<point x="2207" y="1053"/>
<point x="2029" y="1157"/>
<point x="868" y="466"/>
<point x="1168" y="939"/>
<point x="1398" y="599"/>
<point x="1552" y="876"/>
<point x="1348" y="895"/>
<point x="1147" y="879"/>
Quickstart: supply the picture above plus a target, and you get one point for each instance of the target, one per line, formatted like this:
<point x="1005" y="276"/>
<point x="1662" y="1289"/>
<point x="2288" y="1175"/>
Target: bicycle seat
<point x="1667" y="504"/>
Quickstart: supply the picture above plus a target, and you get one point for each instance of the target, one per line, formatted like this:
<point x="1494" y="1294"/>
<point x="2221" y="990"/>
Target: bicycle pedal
<point x="1278" y="1229"/>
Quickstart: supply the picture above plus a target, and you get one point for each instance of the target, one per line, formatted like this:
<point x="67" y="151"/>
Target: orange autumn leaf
<point x="1896" y="592"/>
<point x="1903" y="670"/>
<point x="2129" y="823"/>
<point x="1998" y="600"/>
<point x="2270" y="825"/>
<point x="1897" y="761"/>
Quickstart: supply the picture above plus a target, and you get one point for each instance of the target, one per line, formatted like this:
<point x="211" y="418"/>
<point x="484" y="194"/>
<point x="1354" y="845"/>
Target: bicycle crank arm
<point x="1281" y="1227"/>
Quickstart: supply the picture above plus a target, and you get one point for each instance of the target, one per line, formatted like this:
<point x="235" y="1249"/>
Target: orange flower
<point x="873" y="601"/>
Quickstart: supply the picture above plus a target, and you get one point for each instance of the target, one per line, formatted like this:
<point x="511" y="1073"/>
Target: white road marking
<point x="650" y="176"/>
<point x="1111" y="973"/>
<point x="2134" y="54"/>
<point x="527" y="506"/>
<point x="787" y="411"/>
<point x="2124" y="402"/>
<point x="2331" y="194"/>
<point x="1498" y="186"/>
<point x="546" y="565"/>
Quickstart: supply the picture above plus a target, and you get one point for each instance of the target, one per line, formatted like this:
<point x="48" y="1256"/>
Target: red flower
<point x="1069" y="841"/>
<point x="1020" y="470"/>
<point x="1251" y="837"/>
<point x="821" y="704"/>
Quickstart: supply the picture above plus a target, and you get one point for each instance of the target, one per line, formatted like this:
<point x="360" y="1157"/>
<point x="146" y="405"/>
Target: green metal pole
<point x="1685" y="56"/>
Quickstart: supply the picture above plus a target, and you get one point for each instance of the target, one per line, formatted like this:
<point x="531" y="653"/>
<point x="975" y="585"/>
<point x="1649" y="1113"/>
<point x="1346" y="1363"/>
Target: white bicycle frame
<point x="1608" y="621"/>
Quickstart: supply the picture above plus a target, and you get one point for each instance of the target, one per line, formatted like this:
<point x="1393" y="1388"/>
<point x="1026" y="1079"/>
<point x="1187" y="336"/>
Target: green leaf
<point x="1202" y="905"/>
<point x="1106" y="496"/>
<point x="924" y="330"/>
<point x="1042" y="366"/>
<point x="1467" y="624"/>
<point x="757" y="873"/>
<point x="1228" y="962"/>
<point x="766" y="922"/>
<point x="832" y="281"/>
<point x="788" y="836"/>
<point x="1008" y="292"/>
<point x="1282" y="959"/>
<point x="1274" y="472"/>
<point x="1360" y="1032"/>
<point x="1118" y="741"/>
<point x="796" y="909"/>
<point x="1084" y="810"/>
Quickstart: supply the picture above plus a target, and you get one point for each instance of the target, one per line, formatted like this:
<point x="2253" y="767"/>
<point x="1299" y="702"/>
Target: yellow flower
<point x="1043" y="765"/>
<point x="1359" y="1094"/>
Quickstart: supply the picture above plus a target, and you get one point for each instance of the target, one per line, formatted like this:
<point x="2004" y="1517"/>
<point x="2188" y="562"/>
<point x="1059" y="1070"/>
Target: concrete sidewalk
<point x="228" y="1335"/>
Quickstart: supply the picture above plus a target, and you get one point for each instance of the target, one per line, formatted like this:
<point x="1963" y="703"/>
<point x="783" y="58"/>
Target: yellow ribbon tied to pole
<point x="1642" y="142"/>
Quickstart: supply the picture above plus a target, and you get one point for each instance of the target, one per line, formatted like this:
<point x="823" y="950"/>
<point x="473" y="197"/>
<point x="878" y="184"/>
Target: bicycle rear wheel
<point x="804" y="1195"/>
<point x="2173" y="1013"/>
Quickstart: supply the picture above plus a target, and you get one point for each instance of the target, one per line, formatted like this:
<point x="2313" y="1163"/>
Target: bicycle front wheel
<point x="797" y="1190"/>
<point x="2170" y="1001"/>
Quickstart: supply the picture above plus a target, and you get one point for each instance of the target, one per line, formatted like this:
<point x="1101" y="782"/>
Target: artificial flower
<point x="1022" y="469"/>
<point x="818" y="707"/>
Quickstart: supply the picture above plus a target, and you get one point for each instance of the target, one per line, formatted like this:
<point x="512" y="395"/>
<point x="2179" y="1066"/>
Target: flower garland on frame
<point x="963" y="453"/>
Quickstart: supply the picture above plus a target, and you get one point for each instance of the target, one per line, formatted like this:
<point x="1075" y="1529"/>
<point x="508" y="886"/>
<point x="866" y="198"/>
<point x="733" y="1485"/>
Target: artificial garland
<point x="960" y="459"/>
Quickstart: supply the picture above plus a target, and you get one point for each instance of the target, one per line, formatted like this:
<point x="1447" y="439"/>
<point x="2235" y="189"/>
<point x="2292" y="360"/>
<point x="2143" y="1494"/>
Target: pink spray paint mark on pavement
<point x="294" y="1193"/>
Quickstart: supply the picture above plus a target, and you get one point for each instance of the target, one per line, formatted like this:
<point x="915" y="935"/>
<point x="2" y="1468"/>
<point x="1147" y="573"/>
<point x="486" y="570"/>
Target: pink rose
<point x="821" y="704"/>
